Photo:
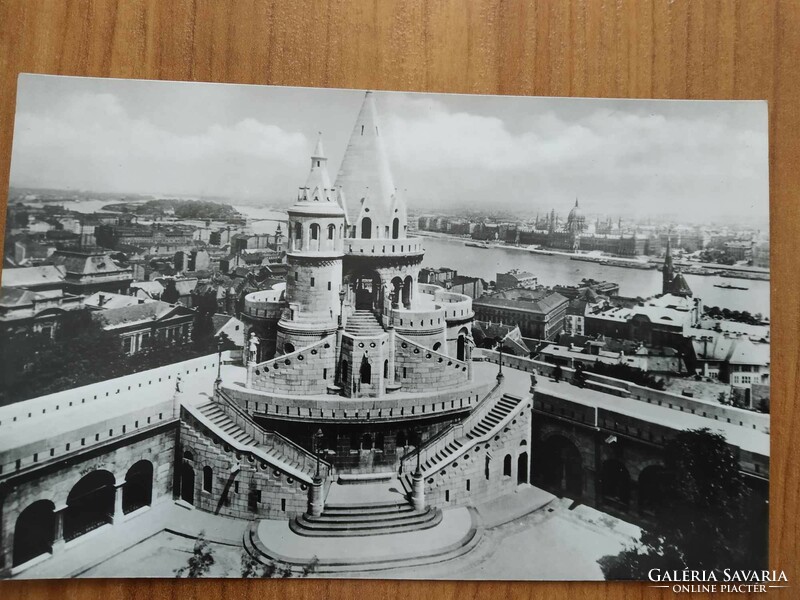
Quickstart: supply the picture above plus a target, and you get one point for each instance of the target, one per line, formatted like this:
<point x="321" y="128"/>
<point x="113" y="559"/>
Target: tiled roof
<point x="542" y="301"/>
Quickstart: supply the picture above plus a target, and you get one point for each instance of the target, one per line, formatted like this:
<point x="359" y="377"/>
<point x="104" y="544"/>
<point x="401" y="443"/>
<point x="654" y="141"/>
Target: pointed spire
<point x="318" y="185"/>
<point x="364" y="175"/>
<point x="576" y="202"/>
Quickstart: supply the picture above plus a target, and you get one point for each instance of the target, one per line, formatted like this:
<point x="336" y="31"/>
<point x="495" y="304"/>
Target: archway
<point x="522" y="468"/>
<point x="652" y="485"/>
<point x="397" y="291"/>
<point x="298" y="235"/>
<point x="461" y="344"/>
<point x="380" y="442"/>
<point x="395" y="228"/>
<point x="366" y="228"/>
<point x="187" y="482"/>
<point x="365" y="371"/>
<point x="138" y="489"/>
<point x="559" y="466"/>
<point x="366" y="442"/>
<point x="90" y="504"/>
<point x="615" y="483"/>
<point x="366" y="286"/>
<point x="33" y="532"/>
<point x="408" y="288"/>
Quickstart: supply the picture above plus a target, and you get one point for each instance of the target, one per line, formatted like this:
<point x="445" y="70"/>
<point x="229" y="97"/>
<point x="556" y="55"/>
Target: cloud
<point x="90" y="141"/>
<point x="615" y="159"/>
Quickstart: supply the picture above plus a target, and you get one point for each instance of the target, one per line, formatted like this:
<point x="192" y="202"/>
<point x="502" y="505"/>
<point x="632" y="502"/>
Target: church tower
<point x="314" y="255"/>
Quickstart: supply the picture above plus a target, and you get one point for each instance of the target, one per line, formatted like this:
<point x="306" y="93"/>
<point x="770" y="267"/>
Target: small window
<point x="312" y="282"/>
<point x="329" y="286"/>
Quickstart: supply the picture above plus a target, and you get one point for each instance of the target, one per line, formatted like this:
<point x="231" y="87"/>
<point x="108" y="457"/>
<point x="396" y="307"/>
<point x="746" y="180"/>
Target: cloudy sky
<point x="251" y="143"/>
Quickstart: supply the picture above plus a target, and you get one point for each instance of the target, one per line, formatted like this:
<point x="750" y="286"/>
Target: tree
<point x="200" y="562"/>
<point x="704" y="520"/>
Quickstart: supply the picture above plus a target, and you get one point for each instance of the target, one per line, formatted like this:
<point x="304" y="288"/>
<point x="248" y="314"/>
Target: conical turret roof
<point x="364" y="176"/>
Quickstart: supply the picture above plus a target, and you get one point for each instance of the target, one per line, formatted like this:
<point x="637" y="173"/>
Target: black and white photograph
<point x="276" y="332"/>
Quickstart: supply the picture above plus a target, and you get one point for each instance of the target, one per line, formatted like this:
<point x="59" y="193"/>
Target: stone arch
<point x="522" y="468"/>
<point x="365" y="371"/>
<point x="187" y="482"/>
<point x="298" y="235"/>
<point x="367" y="288"/>
<point x="90" y="504"/>
<point x="461" y="344"/>
<point x="366" y="228"/>
<point x="137" y="491"/>
<point x="615" y="483"/>
<point x="34" y="532"/>
<point x="559" y="466"/>
<point x="395" y="228"/>
<point x="366" y="441"/>
<point x="397" y="291"/>
<point x="507" y="466"/>
<point x="313" y="231"/>
<point x="408" y="291"/>
<point x="651" y="487"/>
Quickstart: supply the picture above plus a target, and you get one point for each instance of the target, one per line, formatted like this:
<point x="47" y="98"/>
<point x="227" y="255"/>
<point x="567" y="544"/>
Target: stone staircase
<point x="365" y="519"/>
<point x="487" y="425"/>
<point x="363" y="323"/>
<point x="220" y="419"/>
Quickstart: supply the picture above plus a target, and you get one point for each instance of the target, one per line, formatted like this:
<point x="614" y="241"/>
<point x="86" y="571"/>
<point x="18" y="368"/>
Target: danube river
<point x="557" y="269"/>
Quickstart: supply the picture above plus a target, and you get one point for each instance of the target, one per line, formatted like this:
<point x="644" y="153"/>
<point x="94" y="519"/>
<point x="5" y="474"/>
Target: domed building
<point x="576" y="224"/>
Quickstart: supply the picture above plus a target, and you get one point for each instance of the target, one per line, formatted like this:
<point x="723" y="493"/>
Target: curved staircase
<point x="365" y="519"/>
<point x="477" y="427"/>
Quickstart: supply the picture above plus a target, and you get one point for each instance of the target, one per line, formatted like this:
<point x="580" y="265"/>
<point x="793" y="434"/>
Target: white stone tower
<point x="314" y="256"/>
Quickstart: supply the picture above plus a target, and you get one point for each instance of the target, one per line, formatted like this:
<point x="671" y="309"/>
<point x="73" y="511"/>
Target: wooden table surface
<point x="704" y="49"/>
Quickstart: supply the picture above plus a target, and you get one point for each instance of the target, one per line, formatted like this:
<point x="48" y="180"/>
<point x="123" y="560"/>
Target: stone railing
<point x="383" y="247"/>
<point x="438" y="442"/>
<point x="272" y="439"/>
<point x="619" y="387"/>
<point x="336" y="408"/>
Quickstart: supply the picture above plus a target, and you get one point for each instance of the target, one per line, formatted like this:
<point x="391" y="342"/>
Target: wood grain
<point x="608" y="48"/>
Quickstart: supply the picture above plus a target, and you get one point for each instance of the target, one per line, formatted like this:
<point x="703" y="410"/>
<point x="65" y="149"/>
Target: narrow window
<point x="312" y="282"/>
<point x="283" y="504"/>
<point x="467" y="484"/>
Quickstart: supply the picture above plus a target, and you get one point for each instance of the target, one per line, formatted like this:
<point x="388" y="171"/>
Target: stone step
<point x="414" y="522"/>
<point x="368" y="509"/>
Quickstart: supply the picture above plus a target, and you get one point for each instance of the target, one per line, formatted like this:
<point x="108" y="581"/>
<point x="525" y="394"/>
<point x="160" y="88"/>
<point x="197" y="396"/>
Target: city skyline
<point x="251" y="143"/>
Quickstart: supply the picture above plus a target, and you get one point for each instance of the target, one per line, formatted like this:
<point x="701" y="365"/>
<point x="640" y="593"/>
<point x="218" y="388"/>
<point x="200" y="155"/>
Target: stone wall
<point x="255" y="490"/>
<point x="309" y="370"/>
<point x="421" y="369"/>
<point x="53" y="480"/>
<point x="479" y="475"/>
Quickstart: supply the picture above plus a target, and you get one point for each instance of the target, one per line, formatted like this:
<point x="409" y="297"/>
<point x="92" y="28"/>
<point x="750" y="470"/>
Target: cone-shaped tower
<point x="372" y="204"/>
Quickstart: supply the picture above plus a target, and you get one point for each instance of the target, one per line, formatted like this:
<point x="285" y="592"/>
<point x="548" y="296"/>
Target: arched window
<point x="298" y="235"/>
<point x="90" y="504"/>
<point x="288" y="348"/>
<point x="138" y="489"/>
<point x="366" y="228"/>
<point x="208" y="479"/>
<point x="395" y="228"/>
<point x="314" y="230"/>
<point x="331" y="231"/>
<point x="437" y="345"/>
<point x="507" y="466"/>
<point x="33" y="532"/>
<point x="386" y="369"/>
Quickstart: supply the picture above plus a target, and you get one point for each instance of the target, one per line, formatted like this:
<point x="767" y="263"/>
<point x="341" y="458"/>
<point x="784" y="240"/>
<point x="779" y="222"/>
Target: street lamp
<point x="500" y="370"/>
<point x="218" y="381"/>
<point x="317" y="437"/>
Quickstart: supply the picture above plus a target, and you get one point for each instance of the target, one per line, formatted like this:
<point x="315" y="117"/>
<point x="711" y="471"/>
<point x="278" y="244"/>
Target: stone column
<point x="118" y="514"/>
<point x="58" y="529"/>
<point x="316" y="503"/>
<point x="391" y="352"/>
<point x="418" y="491"/>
